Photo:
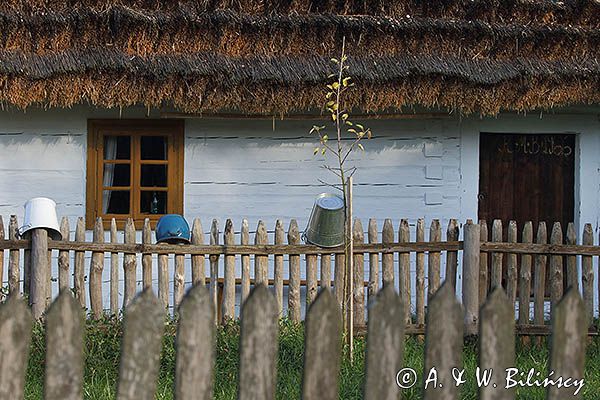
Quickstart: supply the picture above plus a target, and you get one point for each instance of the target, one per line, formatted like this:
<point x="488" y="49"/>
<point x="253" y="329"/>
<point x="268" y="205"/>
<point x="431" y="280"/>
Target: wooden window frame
<point x="135" y="128"/>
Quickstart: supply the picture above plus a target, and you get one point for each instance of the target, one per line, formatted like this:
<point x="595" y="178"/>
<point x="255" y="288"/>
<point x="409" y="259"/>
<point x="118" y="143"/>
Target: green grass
<point x="102" y="345"/>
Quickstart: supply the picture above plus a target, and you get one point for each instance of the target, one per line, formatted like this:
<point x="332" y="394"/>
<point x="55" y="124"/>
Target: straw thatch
<point x="264" y="56"/>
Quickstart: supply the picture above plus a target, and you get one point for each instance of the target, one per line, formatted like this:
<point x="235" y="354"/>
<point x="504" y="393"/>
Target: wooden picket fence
<point x="257" y="376"/>
<point x="486" y="264"/>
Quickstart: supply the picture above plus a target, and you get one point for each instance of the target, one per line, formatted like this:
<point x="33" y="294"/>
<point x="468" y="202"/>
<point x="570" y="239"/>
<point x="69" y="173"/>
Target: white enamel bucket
<point x="40" y="212"/>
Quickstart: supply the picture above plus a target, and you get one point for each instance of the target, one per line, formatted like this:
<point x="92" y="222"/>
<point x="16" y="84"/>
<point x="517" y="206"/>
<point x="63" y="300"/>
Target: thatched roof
<point x="272" y="56"/>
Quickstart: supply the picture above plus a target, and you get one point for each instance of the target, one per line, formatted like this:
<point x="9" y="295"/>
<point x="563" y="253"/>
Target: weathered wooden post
<point x="294" y="260"/>
<point x="39" y="264"/>
<point x="13" y="257"/>
<point x="470" y="282"/>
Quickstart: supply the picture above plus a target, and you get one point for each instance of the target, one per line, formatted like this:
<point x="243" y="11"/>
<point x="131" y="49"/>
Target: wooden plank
<point x="567" y="349"/>
<point x="261" y="262"/>
<point x="258" y="346"/>
<point x="245" y="240"/>
<point x="129" y="265"/>
<point x="178" y="280"/>
<point x="497" y="344"/>
<point x="443" y="343"/>
<point x="278" y="266"/>
<point x="556" y="267"/>
<point x="14" y="273"/>
<point x="198" y="268"/>
<point x="525" y="277"/>
<point x="96" y="268"/>
<point x="325" y="281"/>
<point x="146" y="257"/>
<point x="214" y="269"/>
<point x="483" y="263"/>
<point x="114" y="271"/>
<point x="64" y="270"/>
<point x="587" y="275"/>
<point x="387" y="258"/>
<point x="311" y="279"/>
<point x="140" y="347"/>
<point x="497" y="258"/>
<point x="452" y="234"/>
<point x="470" y="279"/>
<point x="79" y="272"/>
<point x="433" y="267"/>
<point x="48" y="280"/>
<point x="195" y="357"/>
<point x="322" y="349"/>
<point x="229" y="295"/>
<point x="420" y="265"/>
<point x="163" y="279"/>
<point x="39" y="265"/>
<point x="404" y="273"/>
<point x="64" y="349"/>
<point x="539" y="279"/>
<point x="373" y="287"/>
<point x="294" y="289"/>
<point x="15" y="325"/>
<point x="1" y="251"/>
<point x="572" y="276"/>
<point x="511" y="264"/>
<point x="358" y="289"/>
<point x="385" y="347"/>
<point x="339" y="279"/>
<point x="26" y="269"/>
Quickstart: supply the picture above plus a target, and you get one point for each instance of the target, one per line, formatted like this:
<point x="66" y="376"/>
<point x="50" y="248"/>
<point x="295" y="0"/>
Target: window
<point x="134" y="169"/>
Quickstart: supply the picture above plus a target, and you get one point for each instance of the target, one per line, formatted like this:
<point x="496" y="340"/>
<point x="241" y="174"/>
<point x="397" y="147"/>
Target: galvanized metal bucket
<point x="326" y="223"/>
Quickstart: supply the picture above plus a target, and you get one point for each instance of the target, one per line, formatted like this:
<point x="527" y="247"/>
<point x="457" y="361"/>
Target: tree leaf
<point x="316" y="151"/>
<point x="360" y="146"/>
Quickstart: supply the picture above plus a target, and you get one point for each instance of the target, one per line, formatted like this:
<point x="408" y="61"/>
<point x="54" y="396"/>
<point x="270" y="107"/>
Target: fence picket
<point x="572" y="277"/>
<point x="146" y="257"/>
<point x="163" y="279"/>
<point x="140" y="347"/>
<point x="325" y="271"/>
<point x="483" y="263"/>
<point x="79" y="273"/>
<point x="420" y="283"/>
<point x="129" y="265"/>
<point x="63" y="258"/>
<point x="567" y="349"/>
<point x="358" y="287"/>
<point x="258" y="346"/>
<point x="373" y="287"/>
<point x="245" y="240"/>
<point x="261" y="262"/>
<point x="311" y="279"/>
<point x="64" y="349"/>
<point x="322" y="349"/>
<point x="433" y="258"/>
<point x="497" y="258"/>
<point x="404" y="270"/>
<point x="525" y="277"/>
<point x="471" y="265"/>
<point x="556" y="267"/>
<point x="587" y="274"/>
<point x="13" y="258"/>
<point x="195" y="357"/>
<point x="15" y="325"/>
<point x="278" y="267"/>
<point x="497" y="344"/>
<point x="39" y="263"/>
<point x="229" y="289"/>
<point x="114" y="271"/>
<point x="452" y="234"/>
<point x="178" y="280"/>
<point x="539" y="279"/>
<point x="214" y="269"/>
<point x="198" y="269"/>
<point x="294" y="260"/>
<point x="511" y="265"/>
<point x="385" y="347"/>
<point x="96" y="268"/>
<point x="1" y="251"/>
<point x="387" y="259"/>
<point x="443" y="343"/>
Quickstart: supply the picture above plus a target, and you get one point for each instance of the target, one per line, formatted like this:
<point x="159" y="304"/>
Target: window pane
<point x="115" y="202"/>
<point x="117" y="147"/>
<point x="153" y="202"/>
<point x="154" y="148"/>
<point x="116" y="175"/>
<point x="154" y="175"/>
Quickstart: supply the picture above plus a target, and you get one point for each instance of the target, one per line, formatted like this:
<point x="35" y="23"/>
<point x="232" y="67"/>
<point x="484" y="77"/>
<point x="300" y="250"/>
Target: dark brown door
<point x="527" y="178"/>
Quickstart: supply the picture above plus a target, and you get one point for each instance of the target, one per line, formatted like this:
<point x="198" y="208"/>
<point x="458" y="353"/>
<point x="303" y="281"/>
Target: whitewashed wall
<point x="265" y="170"/>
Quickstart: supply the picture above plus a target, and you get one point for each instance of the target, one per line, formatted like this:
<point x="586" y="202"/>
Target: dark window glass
<point x="153" y="202"/>
<point x="154" y="175"/>
<point x="154" y="148"/>
<point x="115" y="201"/>
<point x="116" y="175"/>
<point x="117" y="147"/>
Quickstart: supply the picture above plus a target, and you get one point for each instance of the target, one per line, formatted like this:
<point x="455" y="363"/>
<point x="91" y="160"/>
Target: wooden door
<point x="527" y="178"/>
